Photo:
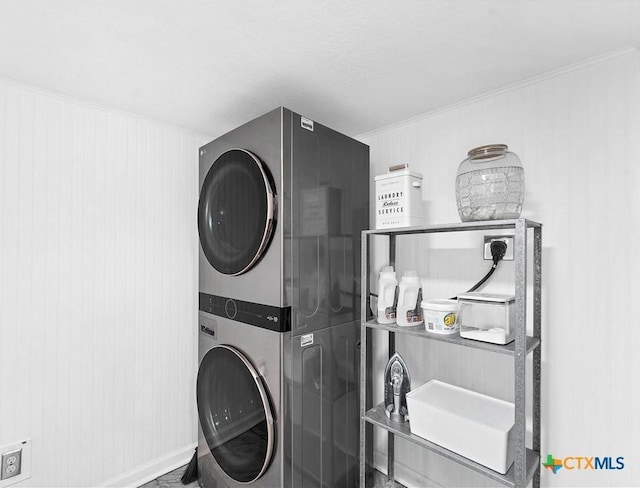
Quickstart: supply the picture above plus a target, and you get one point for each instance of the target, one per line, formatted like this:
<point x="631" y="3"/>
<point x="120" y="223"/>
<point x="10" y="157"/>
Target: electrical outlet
<point x="15" y="463"/>
<point x="506" y="239"/>
<point x="11" y="464"/>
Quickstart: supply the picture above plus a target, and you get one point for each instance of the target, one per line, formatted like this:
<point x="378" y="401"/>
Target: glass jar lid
<point x="488" y="151"/>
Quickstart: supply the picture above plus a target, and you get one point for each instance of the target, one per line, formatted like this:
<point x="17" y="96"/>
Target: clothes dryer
<point x="283" y="202"/>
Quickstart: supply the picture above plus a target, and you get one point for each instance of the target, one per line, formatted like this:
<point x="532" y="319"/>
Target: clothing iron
<point x="396" y="385"/>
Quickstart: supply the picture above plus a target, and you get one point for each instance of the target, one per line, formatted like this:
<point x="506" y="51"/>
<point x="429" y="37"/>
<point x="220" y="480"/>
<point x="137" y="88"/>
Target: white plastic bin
<point x="476" y="426"/>
<point x="487" y="317"/>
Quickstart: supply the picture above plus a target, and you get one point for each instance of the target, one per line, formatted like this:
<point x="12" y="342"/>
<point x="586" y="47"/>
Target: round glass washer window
<point x="235" y="414"/>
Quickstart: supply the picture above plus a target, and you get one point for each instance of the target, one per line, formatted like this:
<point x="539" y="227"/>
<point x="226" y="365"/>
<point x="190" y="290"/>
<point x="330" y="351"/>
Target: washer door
<point x="235" y="414"/>
<point x="236" y="212"/>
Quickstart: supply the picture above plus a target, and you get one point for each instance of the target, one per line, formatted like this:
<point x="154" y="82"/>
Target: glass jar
<point x="490" y="184"/>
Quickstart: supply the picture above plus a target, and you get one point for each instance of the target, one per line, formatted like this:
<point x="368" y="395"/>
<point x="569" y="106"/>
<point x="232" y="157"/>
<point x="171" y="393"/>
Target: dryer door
<point x="235" y="413"/>
<point x="236" y="212"/>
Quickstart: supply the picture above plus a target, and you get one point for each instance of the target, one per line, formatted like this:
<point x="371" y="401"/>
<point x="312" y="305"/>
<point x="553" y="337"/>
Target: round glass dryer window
<point x="235" y="414"/>
<point x="236" y="212"/>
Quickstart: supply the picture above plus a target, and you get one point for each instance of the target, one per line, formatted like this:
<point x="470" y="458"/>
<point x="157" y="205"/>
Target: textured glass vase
<point x="490" y="184"/>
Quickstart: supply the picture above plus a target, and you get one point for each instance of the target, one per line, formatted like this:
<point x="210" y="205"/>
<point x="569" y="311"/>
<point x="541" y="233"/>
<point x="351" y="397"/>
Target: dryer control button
<point x="231" y="309"/>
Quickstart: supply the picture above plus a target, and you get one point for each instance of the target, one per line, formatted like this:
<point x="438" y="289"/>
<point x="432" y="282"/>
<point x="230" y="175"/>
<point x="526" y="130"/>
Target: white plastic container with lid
<point x="409" y="311"/>
<point x="440" y="316"/>
<point x="487" y="317"/>
<point x="476" y="426"/>
<point x="398" y="198"/>
<point x="387" y="295"/>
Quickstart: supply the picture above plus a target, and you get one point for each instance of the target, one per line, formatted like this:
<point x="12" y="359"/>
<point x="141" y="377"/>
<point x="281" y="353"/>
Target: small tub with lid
<point x="440" y="316"/>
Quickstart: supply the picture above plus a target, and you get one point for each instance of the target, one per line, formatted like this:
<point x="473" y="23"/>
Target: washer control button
<point x="231" y="309"/>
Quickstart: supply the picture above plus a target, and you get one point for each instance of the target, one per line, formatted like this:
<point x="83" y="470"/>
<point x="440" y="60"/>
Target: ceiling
<point x="354" y="65"/>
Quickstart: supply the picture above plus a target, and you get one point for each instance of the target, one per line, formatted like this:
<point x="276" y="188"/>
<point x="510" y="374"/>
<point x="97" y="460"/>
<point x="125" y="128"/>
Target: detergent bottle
<point x="409" y="310"/>
<point x="387" y="295"/>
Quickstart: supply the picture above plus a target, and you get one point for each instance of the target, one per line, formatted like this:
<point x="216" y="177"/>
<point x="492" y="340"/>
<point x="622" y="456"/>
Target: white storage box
<point x="398" y="198"/>
<point x="487" y="317"/>
<point x="476" y="426"/>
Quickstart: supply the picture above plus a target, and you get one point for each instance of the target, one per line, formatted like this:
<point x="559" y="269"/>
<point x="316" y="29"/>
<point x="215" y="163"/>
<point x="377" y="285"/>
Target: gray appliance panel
<point x="323" y="412"/>
<point x="330" y="209"/>
<point x="313" y="265"/>
<point x="264" y="348"/>
<point x="322" y="186"/>
<point x="265" y="282"/>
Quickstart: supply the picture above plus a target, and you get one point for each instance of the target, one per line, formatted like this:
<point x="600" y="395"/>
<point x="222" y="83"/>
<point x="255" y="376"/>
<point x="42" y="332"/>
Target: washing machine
<point x="283" y="202"/>
<point x="239" y="397"/>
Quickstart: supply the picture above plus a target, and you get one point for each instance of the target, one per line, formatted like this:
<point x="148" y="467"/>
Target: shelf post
<point x="364" y="303"/>
<point x="537" y="354"/>
<point x="391" y="350"/>
<point x="520" y="255"/>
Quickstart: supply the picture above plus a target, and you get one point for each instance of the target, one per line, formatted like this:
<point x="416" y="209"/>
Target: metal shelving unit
<point x="526" y="466"/>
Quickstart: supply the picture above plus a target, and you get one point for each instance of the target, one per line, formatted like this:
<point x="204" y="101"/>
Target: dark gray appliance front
<point x="225" y="201"/>
<point x="323" y="408"/>
<point x="330" y="192"/>
<point x="304" y="285"/>
<point x="310" y="262"/>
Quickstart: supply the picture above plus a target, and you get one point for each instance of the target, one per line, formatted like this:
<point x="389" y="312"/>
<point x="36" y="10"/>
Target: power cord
<point x="498" y="250"/>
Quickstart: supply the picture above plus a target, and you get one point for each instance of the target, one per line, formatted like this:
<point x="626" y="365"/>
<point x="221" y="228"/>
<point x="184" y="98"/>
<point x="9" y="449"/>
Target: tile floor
<point x="172" y="480"/>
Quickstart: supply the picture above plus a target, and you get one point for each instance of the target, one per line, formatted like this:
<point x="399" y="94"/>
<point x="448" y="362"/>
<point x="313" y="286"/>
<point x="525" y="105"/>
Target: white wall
<point x="98" y="289"/>
<point x="577" y="134"/>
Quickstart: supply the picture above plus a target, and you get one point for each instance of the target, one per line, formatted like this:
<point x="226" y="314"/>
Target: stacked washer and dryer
<point x="283" y="201"/>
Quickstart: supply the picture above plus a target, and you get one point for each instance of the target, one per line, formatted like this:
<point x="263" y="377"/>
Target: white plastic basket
<point x="476" y="426"/>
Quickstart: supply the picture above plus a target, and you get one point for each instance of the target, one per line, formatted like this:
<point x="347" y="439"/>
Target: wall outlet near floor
<point x="508" y="240"/>
<point x="11" y="464"/>
<point x="15" y="463"/>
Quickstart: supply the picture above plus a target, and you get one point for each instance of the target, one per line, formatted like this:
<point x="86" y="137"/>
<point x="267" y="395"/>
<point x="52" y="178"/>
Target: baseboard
<point x="152" y="470"/>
